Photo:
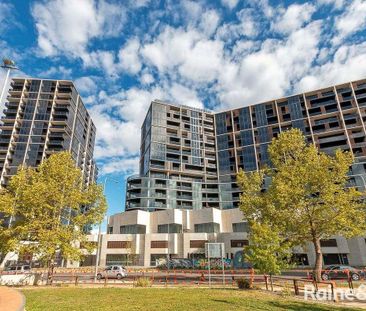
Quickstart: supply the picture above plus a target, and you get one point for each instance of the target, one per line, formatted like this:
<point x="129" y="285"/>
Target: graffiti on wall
<point x="237" y="262"/>
<point x="185" y="263"/>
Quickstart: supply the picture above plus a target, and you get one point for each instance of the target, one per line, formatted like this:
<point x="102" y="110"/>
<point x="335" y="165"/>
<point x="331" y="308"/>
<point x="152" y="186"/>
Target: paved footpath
<point x="11" y="299"/>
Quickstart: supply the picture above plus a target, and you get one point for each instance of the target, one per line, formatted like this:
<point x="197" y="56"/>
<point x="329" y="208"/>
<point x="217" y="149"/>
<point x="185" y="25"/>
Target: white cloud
<point x="57" y="72"/>
<point x="230" y="3"/>
<point x="270" y="71"/>
<point x="5" y="16"/>
<point x="348" y="64"/>
<point x="121" y="165"/>
<point x="170" y="48"/>
<point x="139" y="3"/>
<point x="246" y="26"/>
<point x="147" y="78"/>
<point x="85" y="85"/>
<point x="67" y="26"/>
<point x="129" y="56"/>
<point x="203" y="63"/>
<point x="184" y="96"/>
<point x="352" y="20"/>
<point x="101" y="59"/>
<point x="293" y="17"/>
<point x="209" y="22"/>
<point x="338" y="4"/>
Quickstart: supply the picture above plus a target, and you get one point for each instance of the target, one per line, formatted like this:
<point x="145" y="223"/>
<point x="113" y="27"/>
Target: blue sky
<point x="217" y="54"/>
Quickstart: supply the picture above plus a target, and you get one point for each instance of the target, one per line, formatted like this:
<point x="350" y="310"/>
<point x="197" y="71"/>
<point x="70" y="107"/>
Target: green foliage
<point x="306" y="198"/>
<point x="243" y="283"/>
<point x="143" y="282"/>
<point x="267" y="251"/>
<point x="51" y="206"/>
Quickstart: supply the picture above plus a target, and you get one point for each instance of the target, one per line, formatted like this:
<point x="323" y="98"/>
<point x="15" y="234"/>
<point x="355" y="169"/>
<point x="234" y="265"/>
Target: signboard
<point x="214" y="250"/>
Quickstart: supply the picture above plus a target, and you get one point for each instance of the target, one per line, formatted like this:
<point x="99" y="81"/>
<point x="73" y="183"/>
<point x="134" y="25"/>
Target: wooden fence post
<point x="266" y="281"/>
<point x="271" y="281"/>
<point x="296" y="288"/>
<point x="334" y="294"/>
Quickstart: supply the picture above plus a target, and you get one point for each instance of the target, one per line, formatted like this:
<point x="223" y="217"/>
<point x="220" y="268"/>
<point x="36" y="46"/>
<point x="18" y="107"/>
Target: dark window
<point x="197" y="243"/>
<point x="335" y="259"/>
<point x="118" y="244"/>
<point x="132" y="229"/>
<point x="300" y="259"/>
<point x="328" y="243"/>
<point x="170" y="228"/>
<point x="209" y="227"/>
<point x="239" y="243"/>
<point x="159" y="244"/>
<point x="240" y="227"/>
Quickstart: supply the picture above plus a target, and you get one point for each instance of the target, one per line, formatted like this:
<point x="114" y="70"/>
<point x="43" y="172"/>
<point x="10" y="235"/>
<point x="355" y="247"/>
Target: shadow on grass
<point x="224" y="301"/>
<point x="295" y="306"/>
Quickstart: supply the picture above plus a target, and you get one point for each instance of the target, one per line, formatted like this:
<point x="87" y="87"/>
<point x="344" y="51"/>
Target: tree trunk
<point x="318" y="259"/>
<point x="50" y="272"/>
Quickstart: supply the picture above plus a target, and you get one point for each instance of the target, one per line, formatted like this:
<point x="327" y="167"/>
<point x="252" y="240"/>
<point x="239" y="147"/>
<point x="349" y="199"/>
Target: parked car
<point x="341" y="272"/>
<point x="113" y="272"/>
<point x="17" y="269"/>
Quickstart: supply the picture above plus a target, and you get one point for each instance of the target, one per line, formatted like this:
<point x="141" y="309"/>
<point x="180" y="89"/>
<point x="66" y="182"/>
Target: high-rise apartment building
<point x="190" y="157"/>
<point x="186" y="193"/>
<point x="42" y="117"/>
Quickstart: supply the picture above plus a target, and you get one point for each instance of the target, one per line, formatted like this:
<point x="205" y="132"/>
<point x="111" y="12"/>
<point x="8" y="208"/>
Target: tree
<point x="304" y="196"/>
<point x="268" y="253"/>
<point x="50" y="207"/>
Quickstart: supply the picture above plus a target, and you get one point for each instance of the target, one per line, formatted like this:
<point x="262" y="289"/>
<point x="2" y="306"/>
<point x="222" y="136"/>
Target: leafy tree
<point x="268" y="253"/>
<point x="306" y="198"/>
<point x="50" y="206"/>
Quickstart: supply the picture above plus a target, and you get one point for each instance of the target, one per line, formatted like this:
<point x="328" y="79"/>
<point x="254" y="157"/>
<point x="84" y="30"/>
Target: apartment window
<point x="155" y="259"/>
<point x="170" y="228"/>
<point x="300" y="259"/>
<point x="116" y="259"/>
<point x="335" y="259"/>
<point x="210" y="227"/>
<point x="110" y="230"/>
<point x="132" y="229"/>
<point x="328" y="243"/>
<point x="159" y="244"/>
<point x="197" y="243"/>
<point x="239" y="243"/>
<point x="240" y="227"/>
<point x="118" y="244"/>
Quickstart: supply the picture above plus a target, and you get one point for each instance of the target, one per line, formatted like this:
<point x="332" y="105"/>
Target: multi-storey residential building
<point x="190" y="158"/>
<point x="42" y="117"/>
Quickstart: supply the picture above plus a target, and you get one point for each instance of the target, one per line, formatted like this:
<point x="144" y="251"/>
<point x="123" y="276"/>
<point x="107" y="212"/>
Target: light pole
<point x="168" y="261"/>
<point x="8" y="65"/>
<point x="97" y="257"/>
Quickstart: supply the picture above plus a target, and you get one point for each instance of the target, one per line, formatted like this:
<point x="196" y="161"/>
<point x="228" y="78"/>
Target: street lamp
<point x="168" y="261"/>
<point x="8" y="65"/>
<point x="97" y="259"/>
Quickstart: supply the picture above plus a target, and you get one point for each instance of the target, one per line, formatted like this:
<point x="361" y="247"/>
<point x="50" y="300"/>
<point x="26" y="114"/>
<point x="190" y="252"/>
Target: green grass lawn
<point x="109" y="299"/>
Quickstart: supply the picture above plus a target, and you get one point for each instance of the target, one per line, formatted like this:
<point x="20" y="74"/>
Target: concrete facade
<point x="144" y="248"/>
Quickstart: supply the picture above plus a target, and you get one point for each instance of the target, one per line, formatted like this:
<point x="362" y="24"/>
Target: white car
<point x="15" y="269"/>
<point x="113" y="272"/>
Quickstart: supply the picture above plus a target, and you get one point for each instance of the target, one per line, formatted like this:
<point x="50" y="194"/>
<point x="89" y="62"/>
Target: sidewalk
<point x="11" y="299"/>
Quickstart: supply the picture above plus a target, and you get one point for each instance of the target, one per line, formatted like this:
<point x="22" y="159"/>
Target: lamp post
<point x="97" y="257"/>
<point x="168" y="261"/>
<point x="9" y="65"/>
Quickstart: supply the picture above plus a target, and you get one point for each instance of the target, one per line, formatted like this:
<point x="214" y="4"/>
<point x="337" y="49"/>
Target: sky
<point x="212" y="54"/>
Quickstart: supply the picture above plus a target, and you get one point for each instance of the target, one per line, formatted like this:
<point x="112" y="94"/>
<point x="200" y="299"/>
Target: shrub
<point x="286" y="290"/>
<point x="243" y="283"/>
<point x="143" y="282"/>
